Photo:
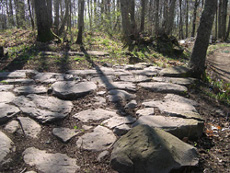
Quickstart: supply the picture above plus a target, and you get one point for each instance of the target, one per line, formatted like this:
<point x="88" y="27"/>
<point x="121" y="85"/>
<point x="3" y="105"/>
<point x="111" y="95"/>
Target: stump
<point x="1" y="51"/>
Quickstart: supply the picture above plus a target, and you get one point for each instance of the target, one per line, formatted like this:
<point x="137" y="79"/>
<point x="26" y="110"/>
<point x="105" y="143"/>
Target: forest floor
<point x="213" y="147"/>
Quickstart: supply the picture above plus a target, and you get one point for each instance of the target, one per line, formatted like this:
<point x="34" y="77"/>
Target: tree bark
<point x="143" y="5"/>
<point x="11" y="19"/>
<point x="186" y="18"/>
<point x="65" y="17"/>
<point x="171" y="15"/>
<point x="49" y="7"/>
<point x="198" y="56"/>
<point x="181" y="33"/>
<point x="43" y="25"/>
<point x="81" y="6"/>
<point x="197" y="2"/>
<point x="228" y="30"/>
<point x="57" y="16"/>
<point x="31" y="16"/>
<point x="156" y="17"/>
<point x="20" y="12"/>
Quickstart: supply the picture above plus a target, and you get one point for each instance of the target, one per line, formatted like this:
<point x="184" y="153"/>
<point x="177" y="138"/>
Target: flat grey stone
<point x="64" y="134"/>
<point x="43" y="108"/>
<point x="128" y="86"/>
<point x="72" y="90"/>
<point x="135" y="78"/>
<point x="98" y="140"/>
<point x="6" y="87"/>
<point x="145" y="112"/>
<point x="54" y="77"/>
<point x="30" y="172"/>
<point x="6" y="147"/>
<point x="7" y="112"/>
<point x="164" y="87"/>
<point x="134" y="67"/>
<point x="179" y="81"/>
<point x="14" y="74"/>
<point x="90" y="53"/>
<point x="173" y="108"/>
<point x="30" y="89"/>
<point x="177" y="98"/>
<point x="131" y="105"/>
<point x="50" y="163"/>
<point x="177" y="71"/>
<point x="31" y="128"/>
<point x="94" y="115"/>
<point x="119" y="95"/>
<point x="121" y="129"/>
<point x="12" y="126"/>
<point x="6" y="97"/>
<point x="83" y="72"/>
<point x="148" y="73"/>
<point x="179" y="127"/>
<point x="102" y="156"/>
<point x="118" y="120"/>
<point x="18" y="81"/>
<point x="147" y="150"/>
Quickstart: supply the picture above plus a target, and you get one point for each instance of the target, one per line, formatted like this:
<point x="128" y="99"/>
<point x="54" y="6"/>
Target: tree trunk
<point x="171" y="15"/>
<point x="20" y="12"/>
<point x="126" y="25"/>
<point x="57" y="16"/>
<point x="186" y="18"/>
<point x="31" y="16"/>
<point x="198" y="56"/>
<point x="43" y="25"/>
<point x="133" y="28"/>
<point x="1" y="51"/>
<point x="228" y="30"/>
<point x="143" y="5"/>
<point x="65" y="17"/>
<point x="181" y="34"/>
<point x="81" y="6"/>
<point x="156" y="17"/>
<point x="11" y="17"/>
<point x="197" y="2"/>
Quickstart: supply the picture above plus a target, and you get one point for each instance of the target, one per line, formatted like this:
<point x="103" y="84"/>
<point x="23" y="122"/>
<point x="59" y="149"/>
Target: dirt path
<point x="219" y="63"/>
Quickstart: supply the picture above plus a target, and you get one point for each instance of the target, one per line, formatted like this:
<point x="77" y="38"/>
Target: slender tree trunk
<point x="65" y="17"/>
<point x="81" y="6"/>
<point x="181" y="34"/>
<point x="216" y="23"/>
<point x="31" y="16"/>
<point x="43" y="25"/>
<point x="90" y="15"/>
<point x="198" y="56"/>
<point x="186" y="18"/>
<point x="57" y="16"/>
<point x="126" y="25"/>
<point x="220" y="17"/>
<point x="197" y="2"/>
<point x="20" y="12"/>
<point x="143" y="9"/>
<point x="156" y="17"/>
<point x="171" y="15"/>
<point x="228" y="30"/>
<point x="11" y="14"/>
<point x="133" y="28"/>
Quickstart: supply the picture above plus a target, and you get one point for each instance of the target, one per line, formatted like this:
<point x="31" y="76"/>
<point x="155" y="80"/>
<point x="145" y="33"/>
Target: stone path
<point x="31" y="100"/>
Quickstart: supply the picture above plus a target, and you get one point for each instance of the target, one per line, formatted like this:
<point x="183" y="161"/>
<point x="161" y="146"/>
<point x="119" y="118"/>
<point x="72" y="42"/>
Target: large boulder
<point x="148" y="150"/>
